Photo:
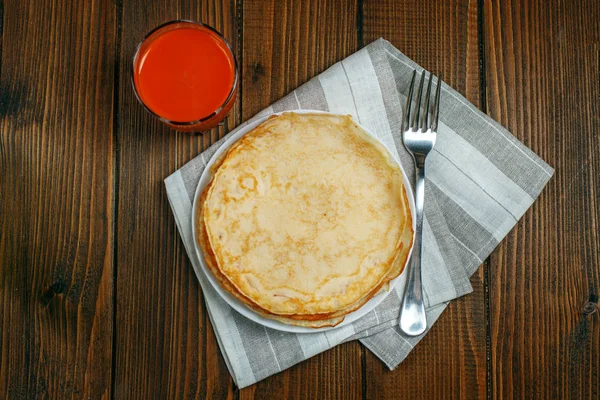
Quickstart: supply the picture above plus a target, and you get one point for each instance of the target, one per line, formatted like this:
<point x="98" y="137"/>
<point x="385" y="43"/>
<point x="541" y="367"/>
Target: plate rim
<point x="237" y="304"/>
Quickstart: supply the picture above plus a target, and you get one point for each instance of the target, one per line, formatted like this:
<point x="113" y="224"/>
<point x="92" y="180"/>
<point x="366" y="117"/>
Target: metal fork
<point x="418" y="136"/>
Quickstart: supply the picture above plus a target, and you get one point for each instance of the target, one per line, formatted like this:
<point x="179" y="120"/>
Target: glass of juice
<point x="185" y="74"/>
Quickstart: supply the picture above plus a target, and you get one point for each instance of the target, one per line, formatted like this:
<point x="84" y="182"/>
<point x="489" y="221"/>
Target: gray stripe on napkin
<point x="268" y="350"/>
<point x="191" y="172"/>
<point x="286" y="347"/>
<point x="257" y="347"/>
<point x="289" y="102"/>
<point x="387" y="309"/>
<point x="393" y="106"/>
<point x="462" y="226"/>
<point x="311" y="96"/>
<point x="383" y="313"/>
<point x="367" y="321"/>
<point x="440" y="230"/>
<point x="373" y="330"/>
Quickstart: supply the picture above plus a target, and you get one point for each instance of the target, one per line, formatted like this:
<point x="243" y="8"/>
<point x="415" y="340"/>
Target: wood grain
<point x="450" y="362"/>
<point x="164" y="344"/>
<point x="542" y="61"/>
<point x="334" y="374"/>
<point x="56" y="198"/>
<point x="285" y="43"/>
<point x="97" y="296"/>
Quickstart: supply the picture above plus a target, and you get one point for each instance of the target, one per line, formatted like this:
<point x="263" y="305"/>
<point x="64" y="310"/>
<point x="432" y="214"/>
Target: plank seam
<point x="239" y="18"/>
<point x="363" y="359"/>
<point x="486" y="263"/>
<point x="2" y="149"/>
<point x="1" y="27"/>
<point x="360" y="16"/>
<point x="116" y="159"/>
<point x="240" y="49"/>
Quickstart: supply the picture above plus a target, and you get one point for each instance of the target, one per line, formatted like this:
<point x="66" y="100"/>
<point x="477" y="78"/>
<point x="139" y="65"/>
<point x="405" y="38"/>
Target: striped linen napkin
<point x="480" y="180"/>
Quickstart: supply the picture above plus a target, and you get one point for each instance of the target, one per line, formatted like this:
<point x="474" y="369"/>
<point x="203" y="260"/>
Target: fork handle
<point x="413" y="320"/>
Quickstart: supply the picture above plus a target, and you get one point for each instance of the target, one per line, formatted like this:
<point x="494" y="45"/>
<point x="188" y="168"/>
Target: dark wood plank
<point x="543" y="82"/>
<point x="56" y="198"/>
<point x="285" y="43"/>
<point x="165" y="347"/>
<point x="450" y="362"/>
<point x="334" y="374"/>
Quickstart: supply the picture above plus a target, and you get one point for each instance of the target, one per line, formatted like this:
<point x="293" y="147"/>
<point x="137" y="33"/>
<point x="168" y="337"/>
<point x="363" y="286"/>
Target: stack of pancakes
<point x="305" y="219"/>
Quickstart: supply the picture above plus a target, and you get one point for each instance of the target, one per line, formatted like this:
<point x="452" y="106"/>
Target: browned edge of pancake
<point x="211" y="262"/>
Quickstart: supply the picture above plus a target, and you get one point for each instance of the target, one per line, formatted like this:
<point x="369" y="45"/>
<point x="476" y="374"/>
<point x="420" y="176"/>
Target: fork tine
<point x="415" y="119"/>
<point x="406" y="121"/>
<point x="425" y="116"/>
<point x="436" y="104"/>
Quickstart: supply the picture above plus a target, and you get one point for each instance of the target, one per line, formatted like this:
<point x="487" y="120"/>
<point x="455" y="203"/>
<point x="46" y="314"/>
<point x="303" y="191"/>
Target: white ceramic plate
<point x="238" y="305"/>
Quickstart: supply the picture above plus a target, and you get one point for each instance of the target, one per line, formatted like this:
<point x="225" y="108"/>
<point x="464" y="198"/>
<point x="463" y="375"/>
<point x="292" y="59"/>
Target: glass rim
<point x="233" y="86"/>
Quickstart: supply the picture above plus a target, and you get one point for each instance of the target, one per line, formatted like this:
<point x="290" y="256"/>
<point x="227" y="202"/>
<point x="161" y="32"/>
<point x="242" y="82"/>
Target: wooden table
<point x="97" y="296"/>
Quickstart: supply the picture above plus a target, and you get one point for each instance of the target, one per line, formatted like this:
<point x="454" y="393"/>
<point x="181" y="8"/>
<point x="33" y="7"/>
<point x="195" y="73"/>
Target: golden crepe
<point x="305" y="219"/>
